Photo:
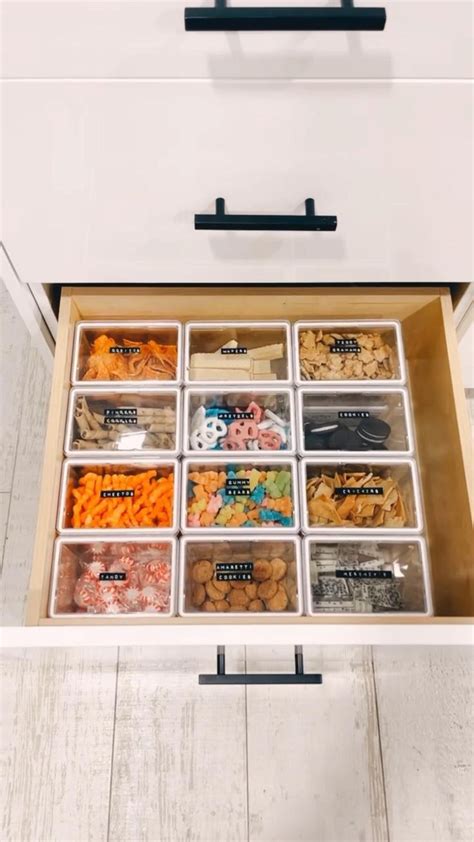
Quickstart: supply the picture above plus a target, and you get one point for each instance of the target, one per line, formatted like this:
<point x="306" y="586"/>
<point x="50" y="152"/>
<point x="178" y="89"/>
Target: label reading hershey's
<point x="238" y="350"/>
<point x="121" y="415"/>
<point x="126" y="492"/>
<point x="345" y="346"/>
<point x="125" y="349"/>
<point x="363" y="574"/>
<point x="112" y="577"/>
<point x="235" y="416"/>
<point x="346" y="492"/>
<point x="238" y="487"/>
<point x="234" y="571"/>
<point x="353" y="413"/>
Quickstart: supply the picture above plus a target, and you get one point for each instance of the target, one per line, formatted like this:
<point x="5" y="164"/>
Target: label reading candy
<point x="346" y="492"/>
<point x="235" y="416"/>
<point x="345" y="346"/>
<point x="238" y="487"/>
<point x="234" y="571"/>
<point x="127" y="349"/>
<point x="240" y="350"/>
<point x="363" y="574"/>
<point x="353" y="414"/>
<point x="121" y="415"/>
<point x="112" y="577"/>
<point x="127" y="492"/>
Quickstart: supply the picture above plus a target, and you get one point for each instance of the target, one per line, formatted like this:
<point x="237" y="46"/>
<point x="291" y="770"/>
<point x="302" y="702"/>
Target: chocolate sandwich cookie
<point x="344" y="439"/>
<point x="373" y="431"/>
<point x="314" y="442"/>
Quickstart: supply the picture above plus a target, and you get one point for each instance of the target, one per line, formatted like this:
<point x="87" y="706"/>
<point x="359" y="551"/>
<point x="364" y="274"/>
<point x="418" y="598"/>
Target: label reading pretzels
<point x="237" y="572"/>
<point x="235" y="416"/>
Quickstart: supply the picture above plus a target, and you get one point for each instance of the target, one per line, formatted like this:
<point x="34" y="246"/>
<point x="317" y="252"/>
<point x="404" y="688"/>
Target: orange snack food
<point x="147" y="501"/>
<point x="149" y="360"/>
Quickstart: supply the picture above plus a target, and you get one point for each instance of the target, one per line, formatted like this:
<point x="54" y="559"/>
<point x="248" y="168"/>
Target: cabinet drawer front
<point x="128" y="39"/>
<point x="441" y="427"/>
<point x="120" y="169"/>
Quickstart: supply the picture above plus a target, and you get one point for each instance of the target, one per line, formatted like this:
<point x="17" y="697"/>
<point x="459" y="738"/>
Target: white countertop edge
<point x="449" y="634"/>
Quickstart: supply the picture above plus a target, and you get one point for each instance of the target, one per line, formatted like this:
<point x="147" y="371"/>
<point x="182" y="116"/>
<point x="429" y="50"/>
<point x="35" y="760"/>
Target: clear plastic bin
<point x="339" y="353"/>
<point x="259" y="494"/>
<point x="127" y="352"/>
<point x="103" y="494"/>
<point x="238" y="352"/>
<point x="254" y="577"/>
<point x="238" y="421"/>
<point x="127" y="422"/>
<point x="367" y="576"/>
<point x="351" y="495"/>
<point x="336" y="421"/>
<point x="113" y="577"/>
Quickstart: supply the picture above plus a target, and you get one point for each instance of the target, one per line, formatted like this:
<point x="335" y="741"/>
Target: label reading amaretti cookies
<point x="237" y="487"/>
<point x="346" y="492"/>
<point x="234" y="571"/>
<point x="344" y="573"/>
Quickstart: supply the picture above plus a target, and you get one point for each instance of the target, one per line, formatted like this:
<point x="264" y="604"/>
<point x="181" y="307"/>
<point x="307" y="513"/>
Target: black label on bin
<point x="112" y="577"/>
<point x="346" y="492"/>
<point x="126" y="492"/>
<point x="363" y="574"/>
<point x="121" y="415"/>
<point x="125" y="349"/>
<point x="238" y="487"/>
<point x="239" y="350"/>
<point x="235" y="416"/>
<point x="234" y="571"/>
<point x="345" y="346"/>
<point x="353" y="413"/>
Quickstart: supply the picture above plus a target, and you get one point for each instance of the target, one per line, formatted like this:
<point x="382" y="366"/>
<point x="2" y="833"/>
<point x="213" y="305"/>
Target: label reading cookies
<point x="369" y="491"/>
<point x="123" y="492"/>
<point x="235" y="416"/>
<point x="237" y="487"/>
<point x="238" y="350"/>
<point x="363" y="574"/>
<point x="353" y="413"/>
<point x="127" y="349"/>
<point x="121" y="415"/>
<point x="234" y="571"/>
<point x="112" y="577"/>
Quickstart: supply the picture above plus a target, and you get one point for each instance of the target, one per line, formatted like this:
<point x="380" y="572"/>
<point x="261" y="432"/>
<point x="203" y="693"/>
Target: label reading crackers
<point x="238" y="350"/>
<point x="234" y="571"/>
<point x="123" y="492"/>
<point x="112" y="577"/>
<point x="237" y="487"/>
<point x="346" y="492"/>
<point x="127" y="349"/>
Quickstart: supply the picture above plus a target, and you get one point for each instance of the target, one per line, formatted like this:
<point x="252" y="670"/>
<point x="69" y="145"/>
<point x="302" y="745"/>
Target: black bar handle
<point x="222" y="221"/>
<point x="347" y="17"/>
<point x="299" y="676"/>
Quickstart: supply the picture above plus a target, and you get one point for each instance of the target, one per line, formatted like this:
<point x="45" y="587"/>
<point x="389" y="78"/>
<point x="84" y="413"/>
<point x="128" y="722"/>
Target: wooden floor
<point x="124" y="745"/>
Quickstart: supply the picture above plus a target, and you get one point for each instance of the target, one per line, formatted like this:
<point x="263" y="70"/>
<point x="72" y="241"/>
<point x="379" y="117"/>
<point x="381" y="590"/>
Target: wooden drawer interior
<point x="439" y="407"/>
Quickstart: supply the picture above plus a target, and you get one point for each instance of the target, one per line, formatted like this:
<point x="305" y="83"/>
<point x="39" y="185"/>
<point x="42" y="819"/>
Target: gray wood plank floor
<point x="123" y="745"/>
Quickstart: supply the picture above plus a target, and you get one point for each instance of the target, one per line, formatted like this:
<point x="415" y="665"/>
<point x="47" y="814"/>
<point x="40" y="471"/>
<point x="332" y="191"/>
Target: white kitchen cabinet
<point x="443" y="456"/>
<point x="101" y="180"/>
<point x="147" y="39"/>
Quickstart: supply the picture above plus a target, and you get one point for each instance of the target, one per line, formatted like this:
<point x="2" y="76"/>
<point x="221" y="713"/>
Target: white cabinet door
<point x="147" y="39"/>
<point x="101" y="180"/>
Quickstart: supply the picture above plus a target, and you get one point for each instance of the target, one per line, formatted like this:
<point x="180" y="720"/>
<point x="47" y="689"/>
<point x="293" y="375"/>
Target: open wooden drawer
<point x="442" y="432"/>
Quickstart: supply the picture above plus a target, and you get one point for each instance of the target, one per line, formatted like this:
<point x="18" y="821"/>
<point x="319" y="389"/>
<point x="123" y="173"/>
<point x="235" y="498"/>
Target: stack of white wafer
<point x="243" y="364"/>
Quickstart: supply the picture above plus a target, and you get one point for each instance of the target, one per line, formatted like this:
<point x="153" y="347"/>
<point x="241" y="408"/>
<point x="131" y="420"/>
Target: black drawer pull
<point x="284" y="18"/>
<point x="298" y="677"/>
<point x="222" y="221"/>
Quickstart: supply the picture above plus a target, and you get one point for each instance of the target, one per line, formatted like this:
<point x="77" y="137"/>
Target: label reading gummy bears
<point x="237" y="487"/>
<point x="234" y="571"/>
